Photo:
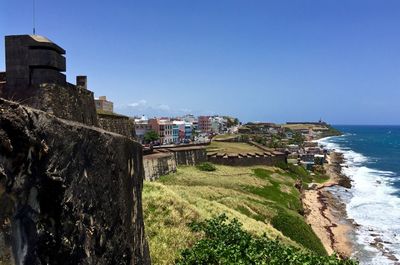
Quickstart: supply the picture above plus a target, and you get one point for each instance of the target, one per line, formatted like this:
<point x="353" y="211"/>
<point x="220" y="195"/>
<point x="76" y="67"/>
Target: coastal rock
<point x="344" y="181"/>
<point x="69" y="193"/>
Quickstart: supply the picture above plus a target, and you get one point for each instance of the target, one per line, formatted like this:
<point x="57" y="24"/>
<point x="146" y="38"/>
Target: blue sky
<point x="257" y="60"/>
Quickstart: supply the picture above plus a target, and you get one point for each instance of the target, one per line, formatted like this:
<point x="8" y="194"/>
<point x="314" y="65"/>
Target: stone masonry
<point x="34" y="77"/>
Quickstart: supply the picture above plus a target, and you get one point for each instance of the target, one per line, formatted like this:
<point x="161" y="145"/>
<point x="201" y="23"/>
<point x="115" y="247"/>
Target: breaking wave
<point x="373" y="205"/>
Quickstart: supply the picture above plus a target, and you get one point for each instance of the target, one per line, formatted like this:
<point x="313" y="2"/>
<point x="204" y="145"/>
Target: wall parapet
<point x="247" y="159"/>
<point x="116" y="123"/>
<point x="158" y="164"/>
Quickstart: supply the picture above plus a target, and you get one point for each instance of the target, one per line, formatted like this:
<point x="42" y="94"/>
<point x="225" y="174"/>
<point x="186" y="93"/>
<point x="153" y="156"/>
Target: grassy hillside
<point x="225" y="147"/>
<point x="263" y="199"/>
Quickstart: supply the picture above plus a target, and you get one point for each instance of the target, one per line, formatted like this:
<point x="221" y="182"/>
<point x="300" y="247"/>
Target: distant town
<point x="294" y="139"/>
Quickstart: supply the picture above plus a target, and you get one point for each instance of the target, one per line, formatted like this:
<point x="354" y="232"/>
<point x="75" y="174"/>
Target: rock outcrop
<point x="69" y="193"/>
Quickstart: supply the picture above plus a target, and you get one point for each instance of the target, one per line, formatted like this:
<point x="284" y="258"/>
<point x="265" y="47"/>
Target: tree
<point x="230" y="121"/>
<point x="151" y="136"/>
<point x="297" y="138"/>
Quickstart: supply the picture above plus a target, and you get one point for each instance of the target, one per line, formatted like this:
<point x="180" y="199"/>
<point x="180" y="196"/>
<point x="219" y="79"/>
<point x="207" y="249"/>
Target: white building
<point x="218" y="124"/>
<point x="142" y="126"/>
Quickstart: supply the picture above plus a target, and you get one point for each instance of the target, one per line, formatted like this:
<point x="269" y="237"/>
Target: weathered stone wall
<point x="117" y="123"/>
<point x="189" y="156"/>
<point x="71" y="102"/>
<point x="67" y="102"/>
<point x="158" y="164"/>
<point x="247" y="159"/>
<point x="69" y="194"/>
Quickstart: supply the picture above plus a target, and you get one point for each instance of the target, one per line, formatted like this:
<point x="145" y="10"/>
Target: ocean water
<point x="372" y="158"/>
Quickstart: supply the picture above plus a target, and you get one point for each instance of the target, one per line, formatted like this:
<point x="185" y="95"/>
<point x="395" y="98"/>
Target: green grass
<point x="206" y="166"/>
<point x="280" y="191"/>
<point x="232" y="148"/>
<point x="263" y="199"/>
<point x="166" y="222"/>
<point x="293" y="226"/>
<point x="299" y="172"/>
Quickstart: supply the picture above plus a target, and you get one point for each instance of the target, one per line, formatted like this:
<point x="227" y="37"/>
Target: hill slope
<point x="263" y="199"/>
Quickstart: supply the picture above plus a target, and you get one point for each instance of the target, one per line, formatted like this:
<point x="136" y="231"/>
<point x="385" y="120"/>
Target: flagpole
<point x="34" y="18"/>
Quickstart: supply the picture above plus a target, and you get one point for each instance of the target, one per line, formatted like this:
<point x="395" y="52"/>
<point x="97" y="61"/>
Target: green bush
<point x="294" y="227"/>
<point x="206" y="166"/>
<point x="299" y="171"/>
<point x="282" y="165"/>
<point x="225" y="242"/>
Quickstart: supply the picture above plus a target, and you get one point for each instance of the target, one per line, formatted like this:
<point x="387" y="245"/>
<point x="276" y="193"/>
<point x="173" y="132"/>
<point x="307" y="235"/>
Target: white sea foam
<point x="372" y="205"/>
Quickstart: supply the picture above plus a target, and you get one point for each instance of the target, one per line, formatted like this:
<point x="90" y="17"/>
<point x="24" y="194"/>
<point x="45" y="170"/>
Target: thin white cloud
<point x="139" y="103"/>
<point x="163" y="107"/>
<point x="185" y="110"/>
<point x="151" y="109"/>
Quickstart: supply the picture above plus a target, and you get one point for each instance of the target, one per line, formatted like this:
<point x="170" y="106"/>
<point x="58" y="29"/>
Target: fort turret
<point x="35" y="77"/>
<point x="33" y="60"/>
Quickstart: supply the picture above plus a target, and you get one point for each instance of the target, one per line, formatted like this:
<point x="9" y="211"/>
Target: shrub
<point x="225" y="242"/>
<point x="282" y="165"/>
<point x="206" y="166"/>
<point x="294" y="227"/>
<point x="299" y="171"/>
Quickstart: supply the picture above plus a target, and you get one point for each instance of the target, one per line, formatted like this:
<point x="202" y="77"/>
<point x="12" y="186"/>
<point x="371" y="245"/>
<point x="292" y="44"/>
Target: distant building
<point x="204" y="124"/>
<point x="180" y="126"/>
<point x="142" y="126"/>
<point x="103" y="104"/>
<point x="188" y="131"/>
<point x="164" y="129"/>
<point x="175" y="133"/>
<point x="218" y="124"/>
<point x="189" y="118"/>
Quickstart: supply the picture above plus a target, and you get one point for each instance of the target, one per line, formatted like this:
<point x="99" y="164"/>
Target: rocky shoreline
<point x="326" y="214"/>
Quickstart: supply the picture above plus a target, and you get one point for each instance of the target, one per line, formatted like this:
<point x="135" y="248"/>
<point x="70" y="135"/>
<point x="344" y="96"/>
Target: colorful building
<point x="164" y="129"/>
<point x="142" y="126"/>
<point x="218" y="124"/>
<point x="175" y="133"/>
<point x="204" y="124"/>
<point x="188" y="131"/>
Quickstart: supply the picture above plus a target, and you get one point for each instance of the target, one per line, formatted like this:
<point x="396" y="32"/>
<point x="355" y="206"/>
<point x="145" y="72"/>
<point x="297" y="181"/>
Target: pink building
<point x="163" y="128"/>
<point x="204" y="124"/>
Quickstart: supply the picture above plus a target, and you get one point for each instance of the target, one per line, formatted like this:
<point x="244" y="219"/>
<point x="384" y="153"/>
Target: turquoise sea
<point x="372" y="161"/>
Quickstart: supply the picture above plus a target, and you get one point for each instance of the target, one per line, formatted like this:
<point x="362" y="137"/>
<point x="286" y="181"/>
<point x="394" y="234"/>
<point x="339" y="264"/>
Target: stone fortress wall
<point x="247" y="159"/>
<point x="165" y="160"/>
<point x="158" y="164"/>
<point x="266" y="156"/>
<point x="116" y="123"/>
<point x="66" y="200"/>
<point x="70" y="192"/>
<point x="34" y="77"/>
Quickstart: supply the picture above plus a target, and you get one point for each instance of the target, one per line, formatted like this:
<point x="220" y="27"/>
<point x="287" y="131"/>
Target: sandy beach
<point x="326" y="214"/>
